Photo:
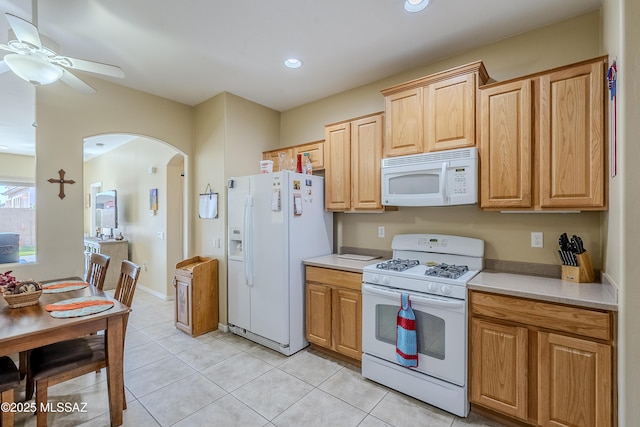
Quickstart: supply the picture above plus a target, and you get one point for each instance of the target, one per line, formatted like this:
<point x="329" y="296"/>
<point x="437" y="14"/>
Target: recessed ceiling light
<point x="292" y="63"/>
<point x="415" y="5"/>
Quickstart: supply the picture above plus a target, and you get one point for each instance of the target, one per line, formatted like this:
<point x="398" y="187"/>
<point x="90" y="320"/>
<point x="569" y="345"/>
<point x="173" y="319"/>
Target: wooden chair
<point x="96" y="273"/>
<point x="97" y="270"/>
<point x="62" y="361"/>
<point x="9" y="380"/>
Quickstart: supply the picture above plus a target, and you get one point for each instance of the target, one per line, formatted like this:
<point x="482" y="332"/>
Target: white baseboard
<point x="155" y="293"/>
<point x="222" y="327"/>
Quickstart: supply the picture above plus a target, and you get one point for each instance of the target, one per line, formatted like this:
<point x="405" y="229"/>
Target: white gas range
<point x="433" y="270"/>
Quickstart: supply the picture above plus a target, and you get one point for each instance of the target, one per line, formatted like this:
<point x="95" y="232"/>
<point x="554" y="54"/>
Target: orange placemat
<point x="63" y="286"/>
<point x="76" y="307"/>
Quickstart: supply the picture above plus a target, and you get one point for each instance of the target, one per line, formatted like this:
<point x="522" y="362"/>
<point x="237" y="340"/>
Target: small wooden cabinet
<point x="542" y="140"/>
<point x="315" y="150"/>
<point x="353" y="154"/>
<point x="542" y="363"/>
<point x="334" y="310"/>
<point x="433" y="113"/>
<point x="196" y="283"/>
<point x="116" y="250"/>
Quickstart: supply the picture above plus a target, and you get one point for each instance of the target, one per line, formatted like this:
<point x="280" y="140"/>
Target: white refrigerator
<point x="275" y="221"/>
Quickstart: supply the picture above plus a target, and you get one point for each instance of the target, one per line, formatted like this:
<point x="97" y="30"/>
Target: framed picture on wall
<point x="153" y="199"/>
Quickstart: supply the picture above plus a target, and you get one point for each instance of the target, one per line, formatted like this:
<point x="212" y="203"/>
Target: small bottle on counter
<point x="299" y="164"/>
<point x="306" y="165"/>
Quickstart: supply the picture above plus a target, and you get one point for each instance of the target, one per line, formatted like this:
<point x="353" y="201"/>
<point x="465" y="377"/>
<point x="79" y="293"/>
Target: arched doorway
<point x="136" y="167"/>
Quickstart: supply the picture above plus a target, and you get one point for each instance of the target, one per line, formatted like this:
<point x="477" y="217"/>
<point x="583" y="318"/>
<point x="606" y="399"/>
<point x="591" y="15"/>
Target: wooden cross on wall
<point x="62" y="182"/>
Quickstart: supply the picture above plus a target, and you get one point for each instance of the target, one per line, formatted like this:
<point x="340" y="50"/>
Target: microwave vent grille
<point x="441" y="156"/>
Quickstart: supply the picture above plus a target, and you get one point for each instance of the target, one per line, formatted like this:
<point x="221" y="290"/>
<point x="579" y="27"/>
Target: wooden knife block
<point x="583" y="273"/>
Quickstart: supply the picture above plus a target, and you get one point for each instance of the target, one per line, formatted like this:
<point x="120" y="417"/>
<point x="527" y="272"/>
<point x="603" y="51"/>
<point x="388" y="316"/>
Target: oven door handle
<point x="426" y="300"/>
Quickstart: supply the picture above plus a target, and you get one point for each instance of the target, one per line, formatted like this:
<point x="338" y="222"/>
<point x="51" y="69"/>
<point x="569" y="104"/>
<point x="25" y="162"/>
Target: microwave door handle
<point x="443" y="181"/>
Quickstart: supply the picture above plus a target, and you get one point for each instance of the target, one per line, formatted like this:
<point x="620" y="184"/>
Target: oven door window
<point x="430" y="330"/>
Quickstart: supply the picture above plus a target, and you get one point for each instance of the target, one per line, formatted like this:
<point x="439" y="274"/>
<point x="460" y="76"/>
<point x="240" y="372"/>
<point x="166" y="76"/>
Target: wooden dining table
<point x="30" y="327"/>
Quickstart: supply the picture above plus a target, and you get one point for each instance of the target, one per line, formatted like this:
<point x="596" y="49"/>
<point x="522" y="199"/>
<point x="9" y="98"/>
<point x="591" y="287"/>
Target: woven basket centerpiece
<point x="24" y="294"/>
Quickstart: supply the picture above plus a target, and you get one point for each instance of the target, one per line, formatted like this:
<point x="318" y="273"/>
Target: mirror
<point x="107" y="209"/>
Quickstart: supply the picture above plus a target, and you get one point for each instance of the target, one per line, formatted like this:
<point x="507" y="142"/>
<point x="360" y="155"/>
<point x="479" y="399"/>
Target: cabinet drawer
<point x="575" y="320"/>
<point x="345" y="279"/>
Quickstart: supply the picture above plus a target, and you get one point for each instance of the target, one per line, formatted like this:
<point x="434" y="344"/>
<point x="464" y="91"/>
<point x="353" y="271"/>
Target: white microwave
<point x="441" y="178"/>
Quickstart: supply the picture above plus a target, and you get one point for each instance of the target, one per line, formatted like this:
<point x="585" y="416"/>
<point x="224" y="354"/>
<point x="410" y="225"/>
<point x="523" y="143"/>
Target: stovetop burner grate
<point x="446" y="270"/>
<point x="397" y="264"/>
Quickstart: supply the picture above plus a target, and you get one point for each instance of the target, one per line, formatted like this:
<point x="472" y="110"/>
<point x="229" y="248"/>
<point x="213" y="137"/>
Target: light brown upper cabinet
<point x="542" y="140"/>
<point x="316" y="153"/>
<point x="273" y="155"/>
<point x="353" y="154"/>
<point x="315" y="150"/>
<point x="433" y="113"/>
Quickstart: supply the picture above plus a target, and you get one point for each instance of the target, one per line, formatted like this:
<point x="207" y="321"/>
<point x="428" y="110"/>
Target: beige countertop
<point x="338" y="263"/>
<point x="590" y="295"/>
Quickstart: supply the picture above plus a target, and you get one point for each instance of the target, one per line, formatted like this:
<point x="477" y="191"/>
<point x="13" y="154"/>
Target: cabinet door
<point x="183" y="303"/>
<point x="498" y="364"/>
<point x="572" y="137"/>
<point x="506" y="156"/>
<point x="404" y="123"/>
<point x="366" y="157"/>
<point x="450" y="113"/>
<point x="574" y="382"/>
<point x="316" y="153"/>
<point x="318" y="317"/>
<point x="275" y="158"/>
<point x="338" y="167"/>
<point x="347" y="322"/>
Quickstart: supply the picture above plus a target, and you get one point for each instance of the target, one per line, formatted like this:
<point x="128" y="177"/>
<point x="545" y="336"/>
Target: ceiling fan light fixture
<point x="415" y="5"/>
<point x="33" y="69"/>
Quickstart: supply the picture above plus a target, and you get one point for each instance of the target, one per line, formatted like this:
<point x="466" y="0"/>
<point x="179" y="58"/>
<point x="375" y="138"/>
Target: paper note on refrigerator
<point x="275" y="200"/>
<point x="297" y="204"/>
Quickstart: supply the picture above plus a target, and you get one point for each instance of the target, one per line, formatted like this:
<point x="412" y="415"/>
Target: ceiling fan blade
<point x="25" y="31"/>
<point x="90" y="66"/>
<point x="69" y="78"/>
<point x="3" y="67"/>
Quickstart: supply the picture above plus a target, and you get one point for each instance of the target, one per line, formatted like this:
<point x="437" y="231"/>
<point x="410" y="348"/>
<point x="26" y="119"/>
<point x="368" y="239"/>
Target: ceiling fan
<point x="38" y="64"/>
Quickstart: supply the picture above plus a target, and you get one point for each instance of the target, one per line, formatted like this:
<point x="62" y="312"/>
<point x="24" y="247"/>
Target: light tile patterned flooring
<point x="219" y="379"/>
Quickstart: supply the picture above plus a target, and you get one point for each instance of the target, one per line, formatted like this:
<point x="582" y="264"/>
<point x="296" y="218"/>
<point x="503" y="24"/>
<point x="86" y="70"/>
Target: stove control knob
<point x="375" y="278"/>
<point x="386" y="280"/>
<point x="432" y="287"/>
<point x="446" y="290"/>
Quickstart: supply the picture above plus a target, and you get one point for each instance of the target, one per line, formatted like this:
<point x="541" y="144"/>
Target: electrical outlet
<point x="381" y="231"/>
<point x="144" y="265"/>
<point x="537" y="239"/>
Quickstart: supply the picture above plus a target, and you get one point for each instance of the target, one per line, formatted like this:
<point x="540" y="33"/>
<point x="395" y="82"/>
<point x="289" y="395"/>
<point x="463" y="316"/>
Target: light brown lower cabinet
<point x="542" y="363"/>
<point x="334" y="310"/>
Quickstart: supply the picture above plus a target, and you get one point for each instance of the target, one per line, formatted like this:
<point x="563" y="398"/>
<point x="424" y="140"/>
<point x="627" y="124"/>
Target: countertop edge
<point x="335" y="263"/>
<point x="552" y="292"/>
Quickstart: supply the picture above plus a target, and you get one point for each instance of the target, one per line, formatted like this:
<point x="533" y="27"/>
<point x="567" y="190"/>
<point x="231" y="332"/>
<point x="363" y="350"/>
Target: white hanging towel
<point x="208" y="204"/>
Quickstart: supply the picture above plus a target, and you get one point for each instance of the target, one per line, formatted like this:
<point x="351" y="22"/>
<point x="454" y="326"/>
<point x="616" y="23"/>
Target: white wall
<point x="65" y="117"/>
<point x="230" y="135"/>
<point x="621" y="34"/>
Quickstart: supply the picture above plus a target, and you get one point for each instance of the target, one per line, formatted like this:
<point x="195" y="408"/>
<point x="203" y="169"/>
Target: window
<point x="17" y="223"/>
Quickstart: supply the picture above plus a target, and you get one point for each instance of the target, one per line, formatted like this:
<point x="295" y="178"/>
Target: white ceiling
<point x="190" y="51"/>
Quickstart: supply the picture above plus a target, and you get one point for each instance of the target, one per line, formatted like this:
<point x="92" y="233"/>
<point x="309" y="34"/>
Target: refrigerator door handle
<point x="247" y="244"/>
